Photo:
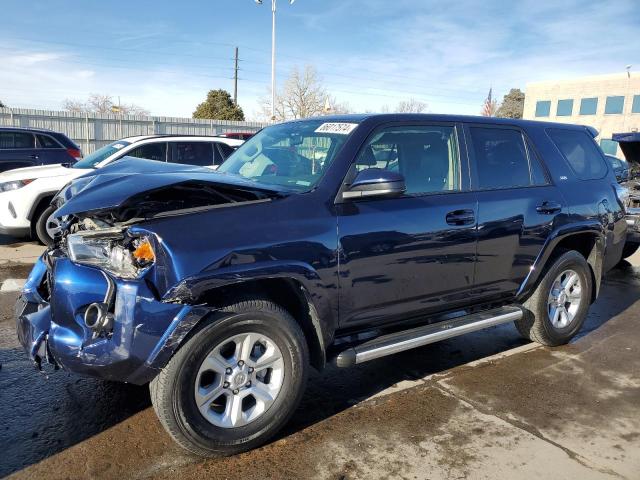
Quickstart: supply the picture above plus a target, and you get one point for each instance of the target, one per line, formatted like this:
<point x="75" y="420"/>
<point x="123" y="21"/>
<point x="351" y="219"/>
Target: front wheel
<point x="47" y="226"/>
<point x="556" y="310"/>
<point x="234" y="383"/>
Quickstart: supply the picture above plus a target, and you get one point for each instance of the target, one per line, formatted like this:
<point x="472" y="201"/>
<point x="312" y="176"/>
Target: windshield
<point x="90" y="161"/>
<point x="292" y="155"/>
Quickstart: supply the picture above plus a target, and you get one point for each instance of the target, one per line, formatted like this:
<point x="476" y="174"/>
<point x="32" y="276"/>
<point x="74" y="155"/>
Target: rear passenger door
<point x="193" y="153"/>
<point x="517" y="207"/>
<point x="413" y="254"/>
<point x="17" y="150"/>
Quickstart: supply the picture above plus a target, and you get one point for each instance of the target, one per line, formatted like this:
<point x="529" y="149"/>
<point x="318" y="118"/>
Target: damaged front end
<point x="93" y="303"/>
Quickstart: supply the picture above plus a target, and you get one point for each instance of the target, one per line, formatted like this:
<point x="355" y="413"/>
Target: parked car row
<point x="329" y="240"/>
<point x="25" y="206"/>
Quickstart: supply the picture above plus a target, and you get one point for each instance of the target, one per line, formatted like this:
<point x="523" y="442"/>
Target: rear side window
<point x="16" y="140"/>
<point x="45" y="141"/>
<point x="501" y="158"/>
<point x="150" y="151"/>
<point x="579" y="149"/>
<point x="193" y="153"/>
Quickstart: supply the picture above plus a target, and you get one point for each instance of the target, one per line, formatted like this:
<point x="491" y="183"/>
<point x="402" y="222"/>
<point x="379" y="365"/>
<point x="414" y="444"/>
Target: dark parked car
<point x="29" y="147"/>
<point x="223" y="288"/>
<point x="620" y="168"/>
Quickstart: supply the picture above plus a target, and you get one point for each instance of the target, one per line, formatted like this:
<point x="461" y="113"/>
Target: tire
<point x="41" y="225"/>
<point x="537" y="324"/>
<point x="629" y="249"/>
<point x="173" y="389"/>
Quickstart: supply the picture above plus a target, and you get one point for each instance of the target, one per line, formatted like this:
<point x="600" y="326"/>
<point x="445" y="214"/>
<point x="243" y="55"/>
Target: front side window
<point x="565" y="108"/>
<point x="293" y="155"/>
<point x="580" y="151"/>
<point x="426" y="156"/>
<point x="24" y="140"/>
<point x="501" y="158"/>
<point x="543" y="108"/>
<point x="588" y="106"/>
<point x="16" y="140"/>
<point x="92" y="160"/>
<point x="150" y="151"/>
<point x="614" y="105"/>
<point x="193" y="153"/>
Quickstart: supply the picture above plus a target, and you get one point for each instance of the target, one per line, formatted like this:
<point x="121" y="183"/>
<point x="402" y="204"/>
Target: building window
<point x="608" y="146"/>
<point x="635" y="108"/>
<point x="565" y="108"/>
<point x="614" y="105"/>
<point x="543" y="108"/>
<point x="588" y="106"/>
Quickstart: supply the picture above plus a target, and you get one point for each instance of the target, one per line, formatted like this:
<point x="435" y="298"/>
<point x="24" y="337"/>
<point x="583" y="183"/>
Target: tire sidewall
<point x="41" y="227"/>
<point x="569" y="261"/>
<point x="194" y="425"/>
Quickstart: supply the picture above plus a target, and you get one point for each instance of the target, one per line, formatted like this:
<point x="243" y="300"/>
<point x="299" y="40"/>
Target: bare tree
<point x="99" y="103"/>
<point x="411" y="105"/>
<point x="302" y="96"/>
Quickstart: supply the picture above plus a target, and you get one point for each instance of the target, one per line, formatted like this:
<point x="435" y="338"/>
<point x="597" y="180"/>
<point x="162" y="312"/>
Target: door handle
<point x="548" y="207"/>
<point x="34" y="156"/>
<point x="461" y="217"/>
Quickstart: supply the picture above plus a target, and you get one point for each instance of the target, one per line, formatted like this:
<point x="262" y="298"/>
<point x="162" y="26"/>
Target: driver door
<point x="412" y="254"/>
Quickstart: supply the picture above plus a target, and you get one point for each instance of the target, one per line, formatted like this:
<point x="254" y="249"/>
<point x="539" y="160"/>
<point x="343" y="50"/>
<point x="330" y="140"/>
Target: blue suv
<point x="31" y="147"/>
<point x="337" y="239"/>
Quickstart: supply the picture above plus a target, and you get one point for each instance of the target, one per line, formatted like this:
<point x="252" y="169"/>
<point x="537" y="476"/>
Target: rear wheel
<point x="47" y="226"/>
<point x="558" y="307"/>
<point x="235" y="382"/>
<point x="629" y="249"/>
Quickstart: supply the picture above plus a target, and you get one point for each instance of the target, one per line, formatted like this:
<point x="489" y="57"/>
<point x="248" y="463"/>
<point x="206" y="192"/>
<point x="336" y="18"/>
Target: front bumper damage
<point x="51" y="328"/>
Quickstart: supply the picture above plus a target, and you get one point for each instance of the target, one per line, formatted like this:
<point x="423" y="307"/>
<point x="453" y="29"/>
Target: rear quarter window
<point x="580" y="151"/>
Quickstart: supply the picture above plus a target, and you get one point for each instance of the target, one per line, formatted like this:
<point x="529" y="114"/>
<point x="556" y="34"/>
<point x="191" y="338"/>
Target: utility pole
<point x="235" y="79"/>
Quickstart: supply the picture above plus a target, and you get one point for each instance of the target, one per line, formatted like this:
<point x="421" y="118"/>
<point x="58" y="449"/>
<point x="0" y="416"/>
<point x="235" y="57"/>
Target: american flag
<point x="489" y="105"/>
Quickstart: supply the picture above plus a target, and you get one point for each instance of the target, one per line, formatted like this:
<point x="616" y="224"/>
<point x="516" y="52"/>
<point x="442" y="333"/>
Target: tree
<point x="219" y="106"/>
<point x="302" y="96"/>
<point x="2" y="105"/>
<point x="101" y="104"/>
<point x="512" y="104"/>
<point x="411" y="105"/>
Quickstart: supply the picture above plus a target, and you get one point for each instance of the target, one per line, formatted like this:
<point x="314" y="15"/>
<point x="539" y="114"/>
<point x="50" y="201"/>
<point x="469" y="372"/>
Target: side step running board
<point x="424" y="335"/>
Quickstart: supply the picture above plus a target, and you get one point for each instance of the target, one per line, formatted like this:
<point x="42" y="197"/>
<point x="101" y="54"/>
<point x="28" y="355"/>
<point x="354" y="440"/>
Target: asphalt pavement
<point x="486" y="405"/>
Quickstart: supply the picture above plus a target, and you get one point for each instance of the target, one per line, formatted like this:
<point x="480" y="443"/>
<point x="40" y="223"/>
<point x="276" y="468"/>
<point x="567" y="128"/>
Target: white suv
<point x="26" y="193"/>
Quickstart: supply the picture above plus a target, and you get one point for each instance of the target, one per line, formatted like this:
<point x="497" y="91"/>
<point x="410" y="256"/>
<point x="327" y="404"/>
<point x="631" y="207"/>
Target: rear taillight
<point x="75" y="153"/>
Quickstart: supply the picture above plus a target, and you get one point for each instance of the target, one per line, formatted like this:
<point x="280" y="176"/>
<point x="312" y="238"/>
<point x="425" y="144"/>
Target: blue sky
<point x="164" y="56"/>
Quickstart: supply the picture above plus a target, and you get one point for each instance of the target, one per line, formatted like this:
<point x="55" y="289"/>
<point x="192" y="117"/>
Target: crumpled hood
<point x="159" y="187"/>
<point x="38" y="172"/>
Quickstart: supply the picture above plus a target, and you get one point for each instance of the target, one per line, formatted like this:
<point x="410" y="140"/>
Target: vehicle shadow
<point x="46" y="416"/>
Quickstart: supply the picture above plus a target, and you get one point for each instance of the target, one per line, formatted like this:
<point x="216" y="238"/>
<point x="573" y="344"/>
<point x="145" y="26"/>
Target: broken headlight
<point x="124" y="257"/>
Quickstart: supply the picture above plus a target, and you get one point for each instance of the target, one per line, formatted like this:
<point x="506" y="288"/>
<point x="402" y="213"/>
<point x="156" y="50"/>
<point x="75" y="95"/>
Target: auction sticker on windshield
<point x="339" y="128"/>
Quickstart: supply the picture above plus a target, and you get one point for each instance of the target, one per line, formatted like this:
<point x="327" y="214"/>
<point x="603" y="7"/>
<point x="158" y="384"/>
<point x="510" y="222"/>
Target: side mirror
<point x="375" y="182"/>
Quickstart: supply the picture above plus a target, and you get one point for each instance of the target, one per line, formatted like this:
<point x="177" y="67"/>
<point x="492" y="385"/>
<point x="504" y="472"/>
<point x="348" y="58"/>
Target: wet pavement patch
<point x="568" y="412"/>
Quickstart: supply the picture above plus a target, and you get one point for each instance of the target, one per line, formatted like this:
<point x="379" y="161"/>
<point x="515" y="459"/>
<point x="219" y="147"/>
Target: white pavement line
<point x="12" y="285"/>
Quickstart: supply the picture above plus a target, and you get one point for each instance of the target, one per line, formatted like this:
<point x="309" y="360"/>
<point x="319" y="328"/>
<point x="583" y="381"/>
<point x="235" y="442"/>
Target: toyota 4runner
<point x="337" y="239"/>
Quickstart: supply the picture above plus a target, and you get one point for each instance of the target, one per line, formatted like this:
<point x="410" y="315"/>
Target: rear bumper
<point x="145" y="333"/>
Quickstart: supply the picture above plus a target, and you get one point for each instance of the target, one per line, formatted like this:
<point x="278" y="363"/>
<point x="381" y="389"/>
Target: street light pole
<point x="273" y="60"/>
<point x="273" y="55"/>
